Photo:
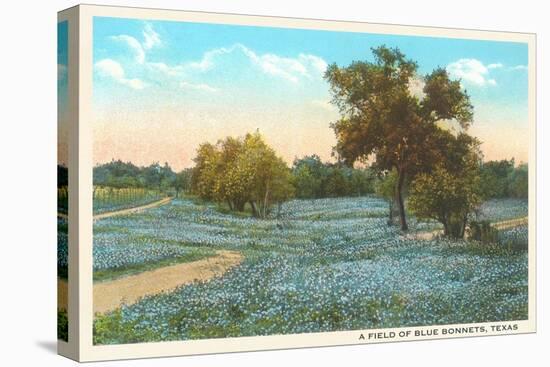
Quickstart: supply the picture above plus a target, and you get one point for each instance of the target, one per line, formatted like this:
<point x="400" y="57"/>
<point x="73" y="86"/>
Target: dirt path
<point x="511" y="223"/>
<point x="62" y="294"/>
<point x="133" y="210"/>
<point x="504" y="224"/>
<point x="110" y="295"/>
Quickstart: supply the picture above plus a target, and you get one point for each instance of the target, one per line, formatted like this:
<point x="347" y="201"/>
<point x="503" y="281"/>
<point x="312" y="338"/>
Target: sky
<point x="62" y="91"/>
<point x="163" y="87"/>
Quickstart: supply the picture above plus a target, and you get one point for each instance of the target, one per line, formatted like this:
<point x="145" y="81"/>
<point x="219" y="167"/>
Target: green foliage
<point x="381" y="118"/>
<point x="385" y="188"/>
<point x="518" y="182"/>
<point x="240" y="171"/>
<point x="204" y="175"/>
<point x="110" y="326"/>
<point x="62" y="325"/>
<point x="118" y="174"/>
<point x="312" y="178"/>
<point x="306" y="185"/>
<point x="182" y="182"/>
<point x="450" y="193"/>
<point x="500" y="179"/>
<point x="449" y="197"/>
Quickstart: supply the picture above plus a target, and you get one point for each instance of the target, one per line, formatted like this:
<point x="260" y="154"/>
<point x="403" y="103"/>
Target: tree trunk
<point x="254" y="208"/>
<point x="266" y="201"/>
<point x="400" y="201"/>
<point x="239" y="206"/>
<point x="464" y="222"/>
<point x="390" y="216"/>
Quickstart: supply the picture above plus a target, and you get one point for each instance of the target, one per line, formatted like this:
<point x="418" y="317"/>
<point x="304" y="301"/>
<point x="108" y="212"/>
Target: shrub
<point x="483" y="231"/>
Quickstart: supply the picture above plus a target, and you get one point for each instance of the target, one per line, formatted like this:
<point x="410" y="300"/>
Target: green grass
<point x="62" y="325"/>
<point x="112" y="274"/>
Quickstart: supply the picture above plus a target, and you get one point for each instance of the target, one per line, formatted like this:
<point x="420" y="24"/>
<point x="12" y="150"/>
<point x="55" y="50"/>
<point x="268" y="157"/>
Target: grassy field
<point x="107" y="199"/>
<point x="324" y="265"/>
<point x="122" y="249"/>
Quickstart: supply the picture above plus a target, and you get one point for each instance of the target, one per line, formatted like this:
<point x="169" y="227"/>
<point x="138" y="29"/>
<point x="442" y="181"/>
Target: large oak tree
<point x="383" y="119"/>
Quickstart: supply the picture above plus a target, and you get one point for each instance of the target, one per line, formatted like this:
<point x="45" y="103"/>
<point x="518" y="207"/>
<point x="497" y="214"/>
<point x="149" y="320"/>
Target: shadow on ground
<point x="48" y="345"/>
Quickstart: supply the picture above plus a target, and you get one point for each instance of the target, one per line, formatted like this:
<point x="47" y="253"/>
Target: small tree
<point x="451" y="192"/>
<point x="495" y="178"/>
<point x="519" y="182"/>
<point x="337" y="184"/>
<point x="361" y="181"/>
<point x="205" y="173"/>
<point x="259" y="175"/>
<point x="240" y="171"/>
<point x="182" y="182"/>
<point x="306" y="185"/>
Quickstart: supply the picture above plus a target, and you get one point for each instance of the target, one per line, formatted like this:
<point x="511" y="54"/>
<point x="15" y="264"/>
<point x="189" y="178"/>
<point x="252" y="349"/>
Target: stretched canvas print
<point x="243" y="183"/>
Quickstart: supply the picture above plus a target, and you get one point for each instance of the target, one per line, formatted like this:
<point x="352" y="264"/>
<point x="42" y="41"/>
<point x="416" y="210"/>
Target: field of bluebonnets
<point x="62" y="247"/>
<point x="323" y="265"/>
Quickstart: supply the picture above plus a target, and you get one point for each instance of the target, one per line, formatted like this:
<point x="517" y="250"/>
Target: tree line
<point x="313" y="179"/>
<point x="413" y="147"/>
<point x="163" y="178"/>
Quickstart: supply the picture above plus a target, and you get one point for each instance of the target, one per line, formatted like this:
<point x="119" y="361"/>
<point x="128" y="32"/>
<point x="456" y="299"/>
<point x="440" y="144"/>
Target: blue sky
<point x="62" y="60"/>
<point x="205" y="81"/>
<point x="62" y="90"/>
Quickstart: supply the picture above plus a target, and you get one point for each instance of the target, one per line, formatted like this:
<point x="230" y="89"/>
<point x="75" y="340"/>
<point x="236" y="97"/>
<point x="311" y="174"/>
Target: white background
<point x="28" y="182"/>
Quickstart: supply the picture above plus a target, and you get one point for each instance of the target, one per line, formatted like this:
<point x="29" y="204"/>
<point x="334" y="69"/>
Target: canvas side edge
<point x="70" y="349"/>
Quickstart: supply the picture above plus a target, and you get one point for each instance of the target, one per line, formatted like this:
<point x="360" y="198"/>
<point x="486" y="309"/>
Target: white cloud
<point x="61" y="71"/>
<point x="198" y="87"/>
<point x="317" y="62"/>
<point x="519" y="67"/>
<point x="497" y="65"/>
<point x="288" y="68"/>
<point x="151" y="37"/>
<point x="164" y="68"/>
<point x="208" y="59"/>
<point x="112" y="69"/>
<point x="133" y="44"/>
<point x="133" y="83"/>
<point x="292" y="69"/>
<point x="471" y="71"/>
